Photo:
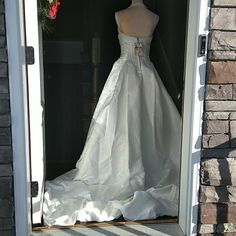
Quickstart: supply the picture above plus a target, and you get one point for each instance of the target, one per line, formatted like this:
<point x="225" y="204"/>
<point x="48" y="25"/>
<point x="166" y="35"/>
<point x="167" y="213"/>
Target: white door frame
<point x="14" y="10"/>
<point x="192" y="116"/>
<point x="35" y="106"/>
<point x="195" y="73"/>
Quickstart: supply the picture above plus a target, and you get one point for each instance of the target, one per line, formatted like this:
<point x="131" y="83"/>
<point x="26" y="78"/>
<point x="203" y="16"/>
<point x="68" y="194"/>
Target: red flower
<point x="53" y="8"/>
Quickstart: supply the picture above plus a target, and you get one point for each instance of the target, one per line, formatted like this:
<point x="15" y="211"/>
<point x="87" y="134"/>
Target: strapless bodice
<point x="134" y="46"/>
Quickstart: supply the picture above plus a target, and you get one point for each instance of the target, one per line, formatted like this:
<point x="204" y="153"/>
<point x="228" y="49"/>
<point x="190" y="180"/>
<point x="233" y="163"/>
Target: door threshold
<point x="125" y="228"/>
<point x="110" y="223"/>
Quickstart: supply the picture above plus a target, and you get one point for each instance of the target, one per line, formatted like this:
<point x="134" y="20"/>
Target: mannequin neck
<point x="137" y="3"/>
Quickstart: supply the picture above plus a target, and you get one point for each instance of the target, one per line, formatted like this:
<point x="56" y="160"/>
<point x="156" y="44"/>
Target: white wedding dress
<point x="130" y="163"/>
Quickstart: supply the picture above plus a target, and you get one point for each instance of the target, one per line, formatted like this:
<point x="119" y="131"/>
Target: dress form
<point x="137" y="20"/>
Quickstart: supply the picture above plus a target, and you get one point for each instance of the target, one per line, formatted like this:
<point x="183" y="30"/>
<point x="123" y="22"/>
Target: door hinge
<point x="29" y="54"/>
<point x="201" y="45"/>
<point x="34" y="188"/>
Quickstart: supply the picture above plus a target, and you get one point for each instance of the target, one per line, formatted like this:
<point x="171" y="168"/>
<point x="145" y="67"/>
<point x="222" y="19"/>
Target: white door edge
<point x="35" y="76"/>
<point x="198" y="11"/>
<point x="195" y="73"/>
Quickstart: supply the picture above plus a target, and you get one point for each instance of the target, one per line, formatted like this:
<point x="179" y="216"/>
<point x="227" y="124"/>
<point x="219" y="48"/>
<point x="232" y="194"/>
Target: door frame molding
<point x="15" y="32"/>
<point x="35" y="107"/>
<point x="193" y="101"/>
<point x="195" y="68"/>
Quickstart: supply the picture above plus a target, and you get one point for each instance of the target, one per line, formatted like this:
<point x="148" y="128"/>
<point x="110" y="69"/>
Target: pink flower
<point x="53" y="8"/>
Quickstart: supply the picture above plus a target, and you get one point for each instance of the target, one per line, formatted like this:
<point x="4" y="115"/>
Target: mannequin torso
<point x="137" y="20"/>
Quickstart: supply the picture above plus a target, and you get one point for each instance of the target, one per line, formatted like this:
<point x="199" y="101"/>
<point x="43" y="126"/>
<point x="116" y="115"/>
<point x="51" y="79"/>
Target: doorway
<point x="73" y="80"/>
<point x="199" y="13"/>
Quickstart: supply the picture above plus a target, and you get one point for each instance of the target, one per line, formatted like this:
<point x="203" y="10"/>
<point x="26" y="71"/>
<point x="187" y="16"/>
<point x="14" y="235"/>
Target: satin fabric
<point x="130" y="162"/>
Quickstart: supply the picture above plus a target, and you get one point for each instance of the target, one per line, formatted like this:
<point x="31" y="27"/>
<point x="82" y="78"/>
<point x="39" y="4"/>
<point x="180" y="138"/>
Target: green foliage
<point x="47" y="10"/>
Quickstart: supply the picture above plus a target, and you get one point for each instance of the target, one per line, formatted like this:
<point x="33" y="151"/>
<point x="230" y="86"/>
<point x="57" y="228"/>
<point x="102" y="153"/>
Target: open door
<point x="69" y="65"/>
<point x="36" y="104"/>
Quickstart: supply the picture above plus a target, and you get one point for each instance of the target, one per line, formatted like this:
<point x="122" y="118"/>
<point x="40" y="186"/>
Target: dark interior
<point x="73" y="80"/>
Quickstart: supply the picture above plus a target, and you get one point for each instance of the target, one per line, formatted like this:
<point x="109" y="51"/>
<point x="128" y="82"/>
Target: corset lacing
<point x="135" y="48"/>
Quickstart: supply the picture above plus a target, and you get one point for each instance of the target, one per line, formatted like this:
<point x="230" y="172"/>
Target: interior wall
<point x="168" y="51"/>
<point x="69" y="68"/>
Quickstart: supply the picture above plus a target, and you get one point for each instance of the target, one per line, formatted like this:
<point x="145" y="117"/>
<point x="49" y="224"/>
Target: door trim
<point x="195" y="73"/>
<point x="14" y="13"/>
<point x="35" y="107"/>
<point x="193" y="109"/>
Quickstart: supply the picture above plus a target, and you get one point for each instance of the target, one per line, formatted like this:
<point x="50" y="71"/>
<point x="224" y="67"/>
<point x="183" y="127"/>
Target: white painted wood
<point x="19" y="114"/>
<point x="35" y="107"/>
<point x="195" y="72"/>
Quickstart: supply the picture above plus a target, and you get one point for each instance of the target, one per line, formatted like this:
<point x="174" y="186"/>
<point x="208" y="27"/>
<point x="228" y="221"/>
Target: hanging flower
<point x="47" y="11"/>
<point x="53" y="8"/>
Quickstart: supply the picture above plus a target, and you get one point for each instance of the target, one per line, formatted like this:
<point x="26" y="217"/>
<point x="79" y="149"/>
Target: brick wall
<point x="6" y="182"/>
<point x="217" y="214"/>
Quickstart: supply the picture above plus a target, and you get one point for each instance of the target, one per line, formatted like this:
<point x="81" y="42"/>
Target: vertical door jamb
<point x="35" y="75"/>
<point x="195" y="73"/>
<point x="15" y="31"/>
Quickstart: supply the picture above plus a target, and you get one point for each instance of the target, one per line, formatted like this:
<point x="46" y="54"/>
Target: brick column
<point x="6" y="182"/>
<point x="217" y="214"/>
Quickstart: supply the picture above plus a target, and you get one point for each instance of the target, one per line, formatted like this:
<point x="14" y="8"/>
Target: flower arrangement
<point x="47" y="11"/>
